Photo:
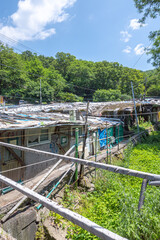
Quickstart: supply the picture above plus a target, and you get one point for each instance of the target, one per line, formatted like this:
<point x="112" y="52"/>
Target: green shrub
<point x="103" y="95"/>
<point x="125" y="97"/>
<point x="70" y="97"/>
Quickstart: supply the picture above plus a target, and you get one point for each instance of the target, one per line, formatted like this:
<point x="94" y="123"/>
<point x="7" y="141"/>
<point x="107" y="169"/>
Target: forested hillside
<point x="65" y="78"/>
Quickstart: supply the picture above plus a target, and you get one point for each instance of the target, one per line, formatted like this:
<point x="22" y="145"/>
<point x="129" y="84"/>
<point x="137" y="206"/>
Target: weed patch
<point x="114" y="203"/>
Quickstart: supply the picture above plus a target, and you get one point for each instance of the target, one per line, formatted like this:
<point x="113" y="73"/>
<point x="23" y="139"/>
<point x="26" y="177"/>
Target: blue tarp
<point x="102" y="135"/>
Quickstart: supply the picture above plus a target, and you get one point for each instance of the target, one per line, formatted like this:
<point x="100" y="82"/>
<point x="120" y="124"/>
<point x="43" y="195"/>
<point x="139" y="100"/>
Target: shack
<point x="51" y="130"/>
<point x="53" y="134"/>
<point x="149" y="111"/>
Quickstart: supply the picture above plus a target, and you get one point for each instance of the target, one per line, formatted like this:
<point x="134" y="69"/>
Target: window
<point x="37" y="136"/>
<point x="33" y="136"/>
<point x="44" y="135"/>
<point x="64" y="140"/>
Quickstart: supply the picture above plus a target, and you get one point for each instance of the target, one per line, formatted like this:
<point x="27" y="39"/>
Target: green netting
<point x="110" y="134"/>
<point x="120" y="133"/>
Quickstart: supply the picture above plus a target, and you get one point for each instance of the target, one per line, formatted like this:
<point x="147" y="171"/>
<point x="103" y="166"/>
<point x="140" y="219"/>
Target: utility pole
<point x="76" y="154"/>
<point x="40" y="94"/>
<point x="135" y="106"/>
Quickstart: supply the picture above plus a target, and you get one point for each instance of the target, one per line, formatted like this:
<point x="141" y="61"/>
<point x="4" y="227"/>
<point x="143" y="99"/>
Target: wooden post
<point x="135" y="107"/>
<point x="107" y="142"/>
<point x="118" y="137"/>
<point x="76" y="218"/>
<point x="84" y="142"/>
<point x="76" y="154"/>
<point x="15" y="156"/>
<point x="110" y="156"/>
<point x="142" y="194"/>
<point x="96" y="150"/>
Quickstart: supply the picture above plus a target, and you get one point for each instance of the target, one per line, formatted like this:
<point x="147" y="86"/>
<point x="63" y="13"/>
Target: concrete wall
<point x="22" y="226"/>
<point x="4" y="235"/>
<point x="7" y="160"/>
<point x="53" y="144"/>
<point x="30" y="158"/>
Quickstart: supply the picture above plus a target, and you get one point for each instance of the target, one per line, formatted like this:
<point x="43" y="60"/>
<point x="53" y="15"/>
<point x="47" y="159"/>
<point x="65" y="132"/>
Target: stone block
<point x="21" y="224"/>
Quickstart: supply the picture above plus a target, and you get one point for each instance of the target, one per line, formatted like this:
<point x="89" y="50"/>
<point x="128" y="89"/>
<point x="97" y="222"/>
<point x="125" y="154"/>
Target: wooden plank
<point x="108" y="167"/>
<point x="142" y="194"/>
<point x="81" y="173"/>
<point x="77" y="219"/>
<point x="35" y="187"/>
<point x="15" y="156"/>
<point x="60" y="147"/>
<point x="56" y="185"/>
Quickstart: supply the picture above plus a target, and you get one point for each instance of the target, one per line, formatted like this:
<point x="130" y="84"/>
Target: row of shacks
<point x="52" y="128"/>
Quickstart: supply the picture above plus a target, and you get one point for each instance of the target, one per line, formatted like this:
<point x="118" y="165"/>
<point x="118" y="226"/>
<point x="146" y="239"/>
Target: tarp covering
<point x="102" y="136"/>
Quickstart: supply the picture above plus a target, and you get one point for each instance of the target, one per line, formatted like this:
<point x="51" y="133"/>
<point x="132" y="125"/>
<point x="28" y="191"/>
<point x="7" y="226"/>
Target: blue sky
<point x="93" y="30"/>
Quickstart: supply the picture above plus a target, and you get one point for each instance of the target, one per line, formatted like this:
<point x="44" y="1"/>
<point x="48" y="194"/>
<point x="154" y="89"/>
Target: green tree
<point x="63" y="61"/>
<point x="137" y="77"/>
<point x="151" y="8"/>
<point x="34" y="69"/>
<point x="12" y="75"/>
<point x="80" y="78"/>
<point x="47" y="62"/>
<point x="55" y="80"/>
<point x="103" y="95"/>
<point x="27" y="55"/>
<point x="32" y="91"/>
<point x="153" y="82"/>
<point x="107" y="75"/>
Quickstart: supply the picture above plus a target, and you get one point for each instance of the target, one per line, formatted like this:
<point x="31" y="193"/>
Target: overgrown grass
<point x="114" y="203"/>
<point x="143" y="125"/>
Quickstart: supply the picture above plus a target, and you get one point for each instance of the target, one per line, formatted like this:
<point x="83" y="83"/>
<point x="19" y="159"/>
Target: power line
<point x="142" y="55"/>
<point x="19" y="43"/>
<point x="12" y="46"/>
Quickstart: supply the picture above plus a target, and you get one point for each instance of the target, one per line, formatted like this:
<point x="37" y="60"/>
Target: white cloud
<point x="32" y="18"/>
<point x="125" y="36"/>
<point x="139" y="49"/>
<point x="135" y="24"/>
<point x="127" y="49"/>
<point x="44" y="34"/>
